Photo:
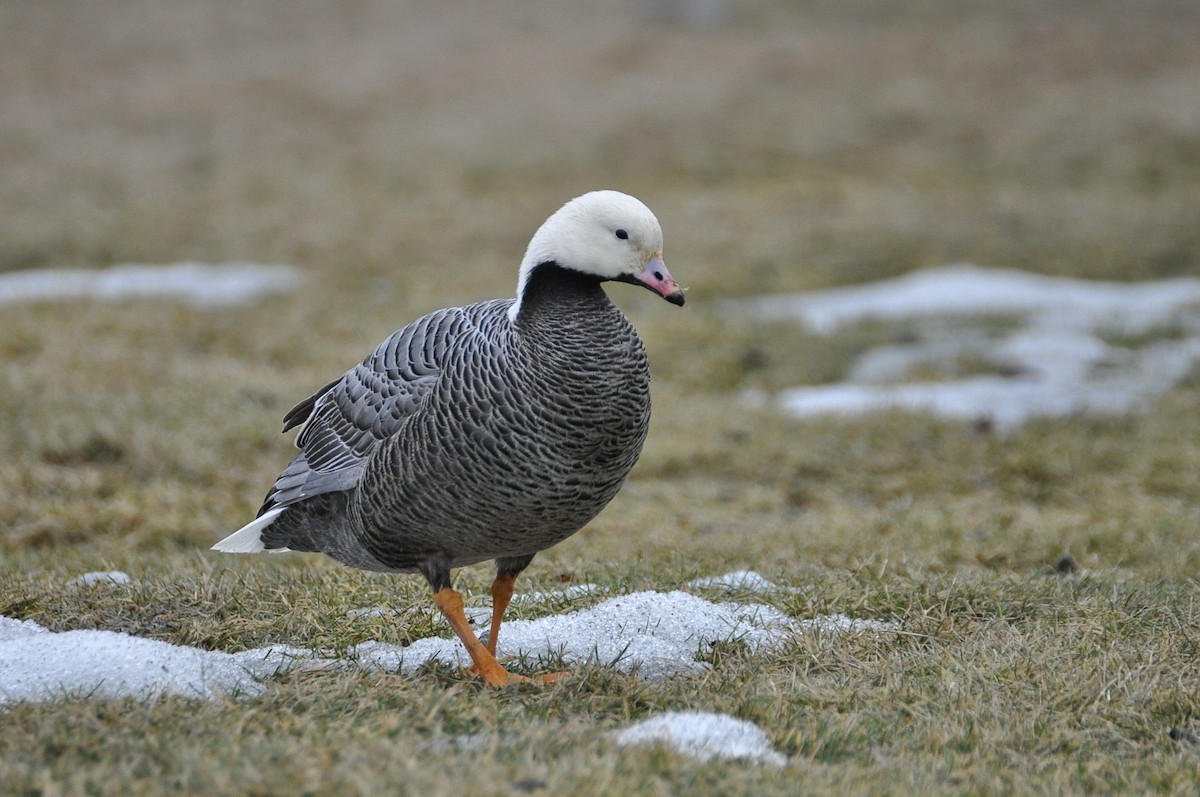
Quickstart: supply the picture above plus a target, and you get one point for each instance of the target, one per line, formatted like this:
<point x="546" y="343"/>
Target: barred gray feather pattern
<point x="470" y="434"/>
<point x="525" y="441"/>
<point x="490" y="431"/>
<point x="346" y="419"/>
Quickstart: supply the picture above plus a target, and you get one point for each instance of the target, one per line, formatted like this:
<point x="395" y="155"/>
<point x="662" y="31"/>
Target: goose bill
<point x="656" y="277"/>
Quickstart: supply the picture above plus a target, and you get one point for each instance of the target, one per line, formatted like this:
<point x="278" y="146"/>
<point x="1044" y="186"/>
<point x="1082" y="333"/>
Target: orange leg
<point x="450" y="603"/>
<point x="502" y="592"/>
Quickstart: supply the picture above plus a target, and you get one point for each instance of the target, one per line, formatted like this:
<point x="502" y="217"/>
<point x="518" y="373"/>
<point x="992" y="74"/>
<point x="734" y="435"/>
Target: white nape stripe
<point x="248" y="539"/>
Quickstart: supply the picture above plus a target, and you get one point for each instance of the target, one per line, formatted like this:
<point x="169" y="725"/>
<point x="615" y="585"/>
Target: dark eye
<point x="622" y="234"/>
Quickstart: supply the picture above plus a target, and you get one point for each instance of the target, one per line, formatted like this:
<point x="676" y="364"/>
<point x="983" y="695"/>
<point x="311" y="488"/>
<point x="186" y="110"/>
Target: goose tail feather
<point x="248" y="539"/>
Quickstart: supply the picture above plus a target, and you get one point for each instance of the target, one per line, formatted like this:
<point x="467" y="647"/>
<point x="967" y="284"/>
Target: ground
<point x="401" y="155"/>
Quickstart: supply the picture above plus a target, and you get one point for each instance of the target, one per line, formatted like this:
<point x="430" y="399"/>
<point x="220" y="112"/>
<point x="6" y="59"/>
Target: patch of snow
<point x="110" y="578"/>
<point x="746" y="580"/>
<point x="1006" y="403"/>
<point x="656" y="634"/>
<point x="198" y="284"/>
<point x="704" y="736"/>
<point x="841" y="624"/>
<point x="11" y="629"/>
<point x="1057" y="363"/>
<point x="558" y="595"/>
<point x="476" y="615"/>
<point x="37" y="664"/>
<point x="893" y="362"/>
<point x="964" y="289"/>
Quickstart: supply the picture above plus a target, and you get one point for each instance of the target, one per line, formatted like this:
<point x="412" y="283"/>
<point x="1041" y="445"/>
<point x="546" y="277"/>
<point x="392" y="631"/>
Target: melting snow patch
<point x="656" y="633"/>
<point x="704" y="736"/>
<point x="1057" y="363"/>
<point x="971" y="290"/>
<point x="746" y="580"/>
<point x="200" y="285"/>
<point x="37" y="664"/>
<point x="111" y="578"/>
<point x="841" y="624"/>
<point x="558" y="595"/>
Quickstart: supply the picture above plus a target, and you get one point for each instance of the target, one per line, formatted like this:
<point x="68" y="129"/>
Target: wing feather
<point x="345" y="420"/>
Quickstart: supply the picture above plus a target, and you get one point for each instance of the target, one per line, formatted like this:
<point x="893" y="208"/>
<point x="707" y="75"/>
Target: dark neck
<point x="552" y="291"/>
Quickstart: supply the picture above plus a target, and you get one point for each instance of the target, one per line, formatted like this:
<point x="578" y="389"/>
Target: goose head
<point x="607" y="235"/>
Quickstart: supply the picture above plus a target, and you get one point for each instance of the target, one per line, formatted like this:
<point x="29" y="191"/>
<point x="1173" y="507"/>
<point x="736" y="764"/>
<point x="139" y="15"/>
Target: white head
<point x="605" y="234"/>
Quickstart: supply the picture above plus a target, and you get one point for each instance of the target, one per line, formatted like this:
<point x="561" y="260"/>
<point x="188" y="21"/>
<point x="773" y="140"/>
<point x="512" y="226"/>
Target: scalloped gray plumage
<point x="490" y="431"/>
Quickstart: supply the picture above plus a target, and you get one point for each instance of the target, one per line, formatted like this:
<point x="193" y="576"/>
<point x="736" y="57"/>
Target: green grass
<point x="401" y="157"/>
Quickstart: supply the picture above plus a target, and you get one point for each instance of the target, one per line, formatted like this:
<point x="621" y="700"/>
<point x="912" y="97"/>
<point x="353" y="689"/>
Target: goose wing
<point x="346" y="419"/>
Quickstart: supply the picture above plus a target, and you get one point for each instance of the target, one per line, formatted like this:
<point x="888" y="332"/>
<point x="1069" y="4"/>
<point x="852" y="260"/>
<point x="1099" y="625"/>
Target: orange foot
<point x="505" y="677"/>
<point x="551" y="677"/>
<point x="499" y="676"/>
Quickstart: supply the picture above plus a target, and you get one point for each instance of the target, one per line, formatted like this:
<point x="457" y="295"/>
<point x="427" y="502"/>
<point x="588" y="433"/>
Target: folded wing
<point x="344" y="421"/>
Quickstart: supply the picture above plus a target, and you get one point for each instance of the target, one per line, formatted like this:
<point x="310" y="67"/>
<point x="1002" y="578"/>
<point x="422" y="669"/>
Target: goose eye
<point x="622" y="234"/>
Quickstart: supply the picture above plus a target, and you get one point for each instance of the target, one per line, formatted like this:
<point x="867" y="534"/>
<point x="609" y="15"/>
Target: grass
<point x="401" y="156"/>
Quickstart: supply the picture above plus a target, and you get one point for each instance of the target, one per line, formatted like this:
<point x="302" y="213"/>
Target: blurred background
<point x="400" y="154"/>
<point x="785" y="144"/>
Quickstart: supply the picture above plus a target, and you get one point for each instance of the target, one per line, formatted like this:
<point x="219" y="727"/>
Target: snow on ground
<point x="37" y="664"/>
<point x="656" y="634"/>
<point x="842" y="624"/>
<point x="561" y="595"/>
<point x="738" y="580"/>
<point x="111" y="578"/>
<point x="971" y="290"/>
<point x="200" y="285"/>
<point x="704" y="736"/>
<point x="482" y="615"/>
<point x="1056" y="362"/>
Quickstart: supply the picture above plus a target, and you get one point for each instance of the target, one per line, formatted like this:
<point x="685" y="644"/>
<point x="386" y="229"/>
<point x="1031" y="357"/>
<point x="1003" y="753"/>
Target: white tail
<point x="248" y="539"/>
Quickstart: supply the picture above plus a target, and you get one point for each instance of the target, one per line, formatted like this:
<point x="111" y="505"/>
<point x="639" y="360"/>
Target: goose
<point x="485" y="432"/>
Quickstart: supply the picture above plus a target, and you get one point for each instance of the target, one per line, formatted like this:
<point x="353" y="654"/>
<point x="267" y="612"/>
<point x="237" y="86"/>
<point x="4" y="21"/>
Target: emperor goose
<point x="490" y="431"/>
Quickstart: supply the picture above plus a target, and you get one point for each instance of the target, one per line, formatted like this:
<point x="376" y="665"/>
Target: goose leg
<point x="507" y="571"/>
<point x="502" y="592"/>
<point x="450" y="603"/>
<point x="436" y="569"/>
